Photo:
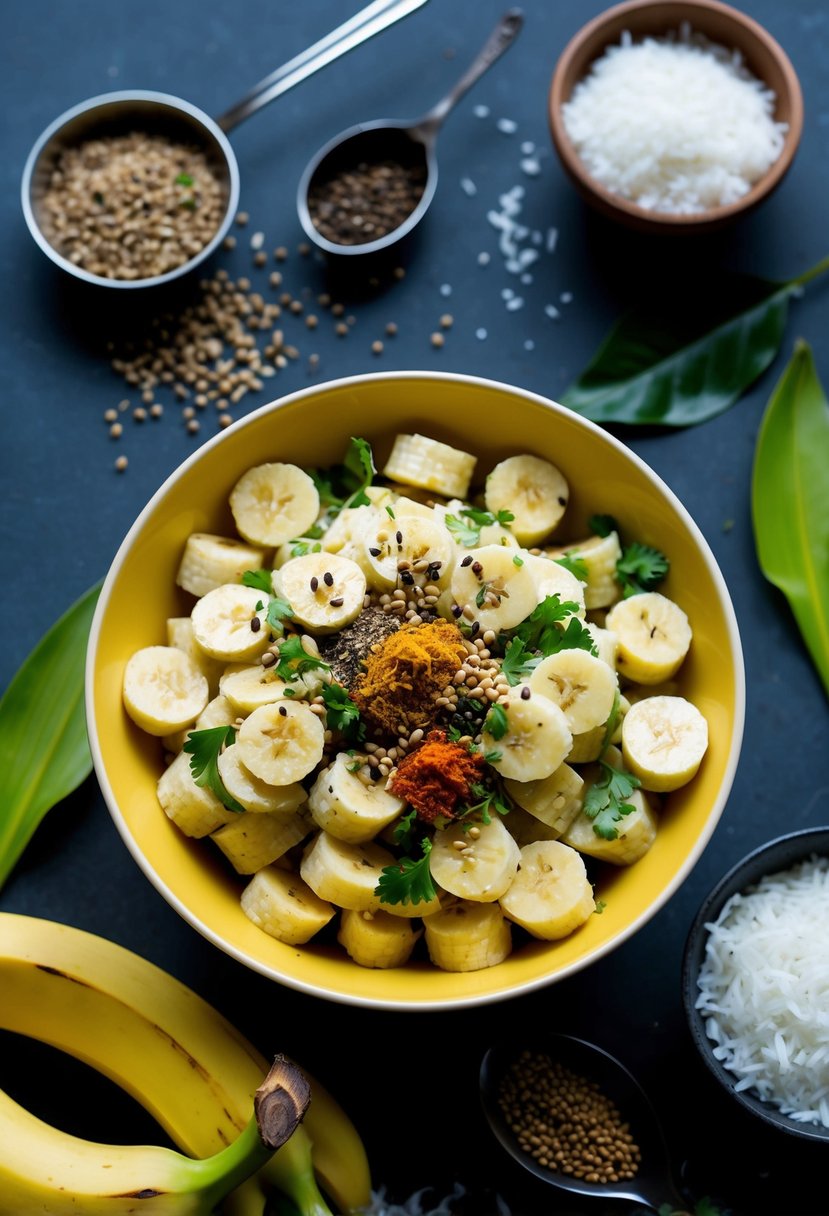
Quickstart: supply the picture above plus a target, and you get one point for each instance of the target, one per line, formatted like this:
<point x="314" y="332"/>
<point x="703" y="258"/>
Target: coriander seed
<point x="121" y="463"/>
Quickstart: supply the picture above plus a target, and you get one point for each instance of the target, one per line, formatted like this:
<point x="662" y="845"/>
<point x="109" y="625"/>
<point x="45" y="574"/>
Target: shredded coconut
<point x="675" y="124"/>
<point x="764" y="986"/>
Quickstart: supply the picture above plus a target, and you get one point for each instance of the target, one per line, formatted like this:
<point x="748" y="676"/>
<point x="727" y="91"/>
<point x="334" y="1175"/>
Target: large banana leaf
<point x="690" y="356"/>
<point x="44" y="752"/>
<point x="790" y="500"/>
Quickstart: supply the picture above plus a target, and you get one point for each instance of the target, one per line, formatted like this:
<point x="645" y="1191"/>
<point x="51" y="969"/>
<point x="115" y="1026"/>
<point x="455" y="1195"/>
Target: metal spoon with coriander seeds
<point x="369" y="186"/>
<point x="575" y="1081"/>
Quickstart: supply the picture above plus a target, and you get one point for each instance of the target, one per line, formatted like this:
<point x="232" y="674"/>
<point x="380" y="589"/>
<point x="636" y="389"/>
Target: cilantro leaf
<point x="183" y="179"/>
<point x="576" y="637"/>
<point x="204" y="748"/>
<point x="324" y="483"/>
<point x="602" y="525"/>
<point x="341" y="713"/>
<point x="640" y="568"/>
<point x="294" y="660"/>
<point x="540" y="630"/>
<point x="359" y="470"/>
<point x="492" y="757"/>
<point x="612" y="722"/>
<point x="278" y="610"/>
<point x="408" y="881"/>
<point x="575" y="564"/>
<point x="489" y="798"/>
<point x="260" y="579"/>
<point x="518" y="662"/>
<point x="462" y="533"/>
<point x="404" y="828"/>
<point x="605" y="802"/>
<point x="304" y="545"/>
<point x="484" y="518"/>
<point x="496" y="723"/>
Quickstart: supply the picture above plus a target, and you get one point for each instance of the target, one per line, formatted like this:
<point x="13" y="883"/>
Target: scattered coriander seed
<point x="242" y="218"/>
<point x="351" y="319"/>
<point x="139" y="414"/>
<point x="188" y="412"/>
<point x="313" y="361"/>
<point x="377" y="348"/>
<point x="338" y="309"/>
<point x="121" y="463"/>
<point x="193" y="426"/>
<point x="229" y="242"/>
<point x="224" y="420"/>
<point x="324" y="300"/>
<point x="156" y="410"/>
<point x="116" y="430"/>
<point x="304" y="249"/>
<point x="447" y="321"/>
<point x="399" y="272"/>
<point x="437" y="339"/>
<point x="341" y="329"/>
<point x="311" y="321"/>
<point x="275" y="278"/>
<point x="391" y="329"/>
<point x="296" y="306"/>
<point x="280" y="253"/>
<point x="110" y="416"/>
<point x="260" y="258"/>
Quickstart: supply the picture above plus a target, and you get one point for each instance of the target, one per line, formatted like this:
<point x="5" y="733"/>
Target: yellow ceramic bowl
<point x="312" y="427"/>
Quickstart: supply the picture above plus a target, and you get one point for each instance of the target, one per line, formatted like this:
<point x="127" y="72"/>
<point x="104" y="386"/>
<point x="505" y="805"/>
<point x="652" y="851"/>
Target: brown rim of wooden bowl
<point x="763" y="56"/>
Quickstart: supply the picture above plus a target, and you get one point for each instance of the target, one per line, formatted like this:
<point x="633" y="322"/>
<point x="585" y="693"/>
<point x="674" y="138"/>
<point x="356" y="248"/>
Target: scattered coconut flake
<point x="551" y="311"/>
<point x="526" y="279"/>
<point x="468" y="186"/>
<point x="531" y="166"/>
<point x="481" y="111"/>
<point x="529" y="344"/>
<point x="552" y="239"/>
<point x="507" y="293"/>
<point x="481" y="334"/>
<point x="445" y="289"/>
<point x="257" y="240"/>
<point x="528" y="147"/>
<point x="506" y="126"/>
<point x="514" y="304"/>
<point x="483" y="258"/>
<point x="537" y="237"/>
<point x="566" y="297"/>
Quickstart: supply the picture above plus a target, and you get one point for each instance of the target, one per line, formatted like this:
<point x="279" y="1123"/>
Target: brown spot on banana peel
<point x="62" y="975"/>
<point x="281" y="1101"/>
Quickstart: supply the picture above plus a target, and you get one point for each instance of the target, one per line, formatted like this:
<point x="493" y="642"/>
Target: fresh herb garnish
<point x="463" y="534"/>
<point x="612" y="722"/>
<point x="345" y="485"/>
<point x="469" y="534"/>
<point x="184" y="179"/>
<point x="342" y="714"/>
<point x="489" y="798"/>
<point x="390" y="513"/>
<point x="518" y="662"/>
<point x="640" y="568"/>
<point x="575" y="564"/>
<point x="541" y="630"/>
<point x="496" y="723"/>
<point x="602" y="525"/>
<point x="605" y="802"/>
<point x="294" y="660"/>
<point x="403" y="831"/>
<point x="261" y="580"/>
<point x="188" y="203"/>
<point x="301" y="548"/>
<point x="493" y="757"/>
<point x="279" y="610"/>
<point x="600" y="907"/>
<point x="99" y="198"/>
<point x="517" y="561"/>
<point x="408" y="881"/>
<point x="204" y="748"/>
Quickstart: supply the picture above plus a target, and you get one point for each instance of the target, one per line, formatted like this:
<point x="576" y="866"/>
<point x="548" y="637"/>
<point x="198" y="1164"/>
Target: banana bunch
<point x="122" y="1015"/>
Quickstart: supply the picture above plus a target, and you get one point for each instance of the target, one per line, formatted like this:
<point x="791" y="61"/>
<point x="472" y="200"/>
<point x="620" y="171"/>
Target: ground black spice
<point x="346" y="651"/>
<point x="361" y="204"/>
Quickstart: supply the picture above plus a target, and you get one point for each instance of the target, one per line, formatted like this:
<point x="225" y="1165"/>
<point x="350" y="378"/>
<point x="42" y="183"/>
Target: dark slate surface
<point x="64" y="512"/>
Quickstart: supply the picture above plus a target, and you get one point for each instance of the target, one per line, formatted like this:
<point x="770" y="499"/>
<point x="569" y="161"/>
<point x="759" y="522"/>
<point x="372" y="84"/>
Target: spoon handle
<point x="363" y="25"/>
<point x="499" y="40"/>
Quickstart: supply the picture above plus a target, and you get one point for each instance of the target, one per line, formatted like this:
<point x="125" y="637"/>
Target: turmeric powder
<point x="437" y="777"/>
<point x="404" y="674"/>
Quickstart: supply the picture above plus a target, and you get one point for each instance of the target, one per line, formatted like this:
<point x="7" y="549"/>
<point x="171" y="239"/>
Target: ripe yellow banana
<point x="175" y="1054"/>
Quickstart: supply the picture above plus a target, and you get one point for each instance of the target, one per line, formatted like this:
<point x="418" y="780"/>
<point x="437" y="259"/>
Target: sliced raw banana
<point x="605" y="641"/>
<point x="341" y="534"/>
<point x="663" y="742"/>
<point x="551" y="895"/>
<point x="254" y="795"/>
<point x="325" y="590"/>
<point x="412" y="539"/>
<point x="553" y="579"/>
<point x="417" y="460"/>
<point x="555" y="800"/>
<point x="272" y="503"/>
<point x="249" y="685"/>
<point x="281" y="743"/>
<point x="468" y="936"/>
<point x="474" y="862"/>
<point x="347" y="808"/>
<point x="252" y="841"/>
<point x="492" y="588"/>
<point x="230" y="623"/>
<point x="211" y="561"/>
<point x="581" y="685"/>
<point x="163" y="690"/>
<point x="284" y="906"/>
<point x="375" y="939"/>
<point x="534" y="490"/>
<point x="587" y="746"/>
<point x="635" y="833"/>
<point x="653" y="634"/>
<point x="194" y="809"/>
<point x="536" y="740"/>
<point x="346" y="874"/>
<point x="599" y="555"/>
<point x="525" y="828"/>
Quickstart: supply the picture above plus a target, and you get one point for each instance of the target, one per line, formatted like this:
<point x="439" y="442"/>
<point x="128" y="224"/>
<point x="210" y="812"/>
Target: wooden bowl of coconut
<point x="675" y="116"/>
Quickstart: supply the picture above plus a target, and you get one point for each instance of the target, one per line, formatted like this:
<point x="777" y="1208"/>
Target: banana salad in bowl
<point x="413" y="712"/>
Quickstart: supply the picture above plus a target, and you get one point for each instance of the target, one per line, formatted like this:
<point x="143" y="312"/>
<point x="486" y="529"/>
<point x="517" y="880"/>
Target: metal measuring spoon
<point x="653" y="1185"/>
<point x="161" y="113"/>
<point x="412" y="145"/>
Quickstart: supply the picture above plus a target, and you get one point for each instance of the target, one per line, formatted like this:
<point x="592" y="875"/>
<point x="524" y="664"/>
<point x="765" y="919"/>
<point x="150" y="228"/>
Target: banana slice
<point x="553" y="579"/>
<point x="600" y="555"/>
<point x="247" y="686"/>
<point x="536" y="741"/>
<point x="285" y="907"/>
<point x="554" y="800"/>
<point x="587" y="746"/>
<point x="254" y="795"/>
<point x="663" y="742"/>
<point x="478" y="863"/>
<point x="180" y="634"/>
<point x="325" y="590"/>
<point x="252" y="841"/>
<point x="211" y="561"/>
<point x="580" y="684"/>
<point x="413" y="538"/>
<point x="534" y="490"/>
<point x="605" y="641"/>
<point x="230" y="623"/>
<point x="468" y="936"/>
<point x="346" y="808"/>
<point x="430" y="465"/>
<point x="194" y="809"/>
<point x="163" y="690"/>
<point x="375" y="939"/>
<point x="492" y="588"/>
<point x="551" y="895"/>
<point x="281" y="743"/>
<point x="526" y="829"/>
<point x="346" y="874"/>
<point x="653" y="634"/>
<point x="636" y="832"/>
<point x="272" y="503"/>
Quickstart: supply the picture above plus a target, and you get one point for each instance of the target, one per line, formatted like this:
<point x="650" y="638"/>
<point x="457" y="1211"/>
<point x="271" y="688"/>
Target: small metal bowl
<point x="720" y="23"/>
<point x="118" y="114"/>
<point x="777" y="855"/>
